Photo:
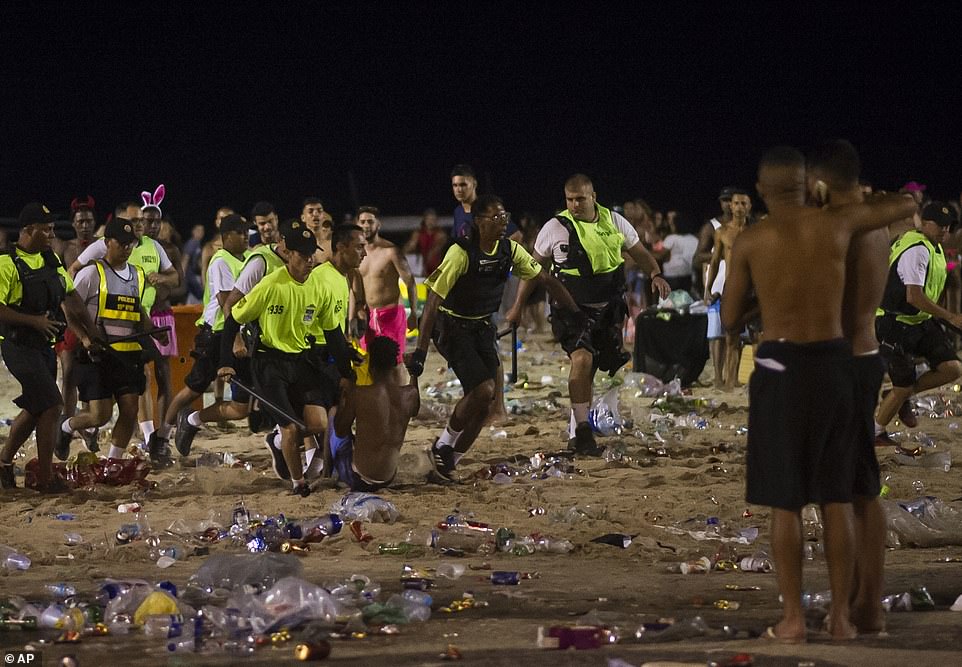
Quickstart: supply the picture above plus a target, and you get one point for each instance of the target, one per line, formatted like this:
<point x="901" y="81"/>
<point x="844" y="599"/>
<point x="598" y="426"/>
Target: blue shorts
<point x="342" y="453"/>
<point x="715" y="329"/>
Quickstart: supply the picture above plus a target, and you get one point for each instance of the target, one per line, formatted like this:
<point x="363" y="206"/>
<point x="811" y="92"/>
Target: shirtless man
<point x="796" y="261"/>
<point x="84" y="223"/>
<point x="367" y="460"/>
<point x="380" y="271"/>
<point x="833" y="169"/>
<point x="740" y="206"/>
<point x="320" y="223"/>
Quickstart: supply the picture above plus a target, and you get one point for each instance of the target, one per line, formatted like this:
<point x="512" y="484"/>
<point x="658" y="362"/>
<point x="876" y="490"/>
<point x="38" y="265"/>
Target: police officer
<point x="34" y="289"/>
<point x="289" y="308"/>
<point x="222" y="272"/>
<point x="906" y="322"/>
<point x="112" y="290"/>
<point x="463" y="292"/>
<point x="584" y="243"/>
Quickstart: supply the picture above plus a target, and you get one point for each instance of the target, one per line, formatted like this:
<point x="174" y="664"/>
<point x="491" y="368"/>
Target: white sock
<point x="147" y="428"/>
<point x="309" y="455"/>
<point x="90" y="430"/>
<point x="277" y="439"/>
<point x="65" y="427"/>
<point x="194" y="419"/>
<point x="448" y="437"/>
<point x="579" y="414"/>
<point x="115" y="452"/>
<point x="297" y="482"/>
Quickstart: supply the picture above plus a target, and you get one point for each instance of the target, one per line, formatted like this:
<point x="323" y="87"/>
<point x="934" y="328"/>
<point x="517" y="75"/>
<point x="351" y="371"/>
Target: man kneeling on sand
<point x="366" y="460"/>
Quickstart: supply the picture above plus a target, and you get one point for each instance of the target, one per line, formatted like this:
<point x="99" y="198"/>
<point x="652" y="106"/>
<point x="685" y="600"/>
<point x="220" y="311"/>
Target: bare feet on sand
<point x="785" y="633"/>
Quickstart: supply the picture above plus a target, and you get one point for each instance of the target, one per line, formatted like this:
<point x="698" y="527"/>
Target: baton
<point x="297" y="422"/>
<point x="513" y="377"/>
<point x="142" y="334"/>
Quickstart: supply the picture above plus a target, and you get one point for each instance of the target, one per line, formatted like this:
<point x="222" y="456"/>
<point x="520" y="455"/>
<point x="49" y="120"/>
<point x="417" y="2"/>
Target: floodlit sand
<point x="698" y="479"/>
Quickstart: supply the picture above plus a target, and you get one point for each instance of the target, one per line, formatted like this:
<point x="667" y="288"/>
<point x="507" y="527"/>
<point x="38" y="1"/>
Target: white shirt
<point x="98" y="250"/>
<point x="219" y="279"/>
<point x="913" y="264"/>
<point x="552" y="240"/>
<point x="251" y="275"/>
<point x="682" y="247"/>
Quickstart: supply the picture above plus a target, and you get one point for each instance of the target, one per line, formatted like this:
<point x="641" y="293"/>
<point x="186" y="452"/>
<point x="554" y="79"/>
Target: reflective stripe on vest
<point x="114" y="304"/>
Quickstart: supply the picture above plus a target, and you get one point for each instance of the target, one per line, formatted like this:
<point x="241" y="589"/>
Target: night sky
<point x="229" y="106"/>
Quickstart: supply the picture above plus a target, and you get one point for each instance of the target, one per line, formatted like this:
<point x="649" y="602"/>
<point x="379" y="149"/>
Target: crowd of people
<point x="303" y="323"/>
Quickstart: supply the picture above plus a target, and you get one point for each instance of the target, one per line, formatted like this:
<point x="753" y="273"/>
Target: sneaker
<point x="584" y="441"/>
<point x="184" y="437"/>
<point x="159" y="451"/>
<point x="442" y="458"/>
<point x="907" y="415"/>
<point x="277" y="457"/>
<point x="90" y="439"/>
<point x="303" y="490"/>
<point x="8" y="480"/>
<point x="62" y="448"/>
<point x="883" y="439"/>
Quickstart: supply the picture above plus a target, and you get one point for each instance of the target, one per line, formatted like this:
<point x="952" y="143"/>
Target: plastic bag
<point x="288" y="603"/>
<point x="604" y="416"/>
<point x="924" y="522"/>
<point x="230" y="571"/>
<point x="365" y="507"/>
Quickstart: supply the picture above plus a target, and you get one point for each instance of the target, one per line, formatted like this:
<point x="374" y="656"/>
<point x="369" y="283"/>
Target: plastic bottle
<point x="11" y="559"/>
<point x="60" y="591"/>
<point x="554" y="545"/>
<point x="450" y="570"/>
<point x="457" y="539"/>
<point x="72" y="539"/>
<point x="167" y="626"/>
<point x="753" y="564"/>
<point x="323" y="526"/>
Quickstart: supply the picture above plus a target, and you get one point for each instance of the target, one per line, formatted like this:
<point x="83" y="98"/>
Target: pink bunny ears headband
<point x="153" y="200"/>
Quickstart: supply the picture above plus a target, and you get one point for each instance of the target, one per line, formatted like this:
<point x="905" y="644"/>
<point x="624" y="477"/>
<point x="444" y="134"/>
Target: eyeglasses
<point x="500" y="217"/>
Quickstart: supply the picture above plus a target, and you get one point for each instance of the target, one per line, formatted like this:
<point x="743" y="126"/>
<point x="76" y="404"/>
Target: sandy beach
<point x="677" y="490"/>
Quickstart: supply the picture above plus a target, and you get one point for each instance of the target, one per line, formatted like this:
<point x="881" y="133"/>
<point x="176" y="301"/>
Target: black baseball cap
<point x="726" y="193"/>
<point x="299" y="238"/>
<point x="233" y="223"/>
<point x="940" y="213"/>
<point x="121" y="230"/>
<point x="35" y="213"/>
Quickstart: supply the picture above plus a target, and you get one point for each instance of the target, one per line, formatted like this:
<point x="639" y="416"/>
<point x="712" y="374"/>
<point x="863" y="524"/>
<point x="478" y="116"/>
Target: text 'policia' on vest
<point x="43" y="290"/>
<point x="478" y="292"/>
<point x="592" y="271"/>
<point x="894" y="301"/>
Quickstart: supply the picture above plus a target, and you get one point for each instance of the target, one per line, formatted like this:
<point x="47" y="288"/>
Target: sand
<point x="660" y="497"/>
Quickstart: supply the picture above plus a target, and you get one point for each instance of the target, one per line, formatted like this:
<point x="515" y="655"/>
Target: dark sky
<point x="230" y="105"/>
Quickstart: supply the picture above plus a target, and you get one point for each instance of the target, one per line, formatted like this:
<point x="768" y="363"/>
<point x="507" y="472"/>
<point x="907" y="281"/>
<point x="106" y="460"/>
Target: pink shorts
<point x="390" y="321"/>
<point x="165" y="318"/>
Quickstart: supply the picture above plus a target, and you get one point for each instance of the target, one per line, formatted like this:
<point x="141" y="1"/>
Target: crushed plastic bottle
<point x="11" y="559"/>
<point x="604" y="416"/>
<point x="358" y="506"/>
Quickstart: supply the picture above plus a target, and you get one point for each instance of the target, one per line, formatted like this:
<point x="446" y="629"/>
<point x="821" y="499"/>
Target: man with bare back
<point x="739" y="206"/>
<point x="366" y="459"/>
<point x="380" y="270"/>
<point x="802" y="392"/>
<point x="833" y="170"/>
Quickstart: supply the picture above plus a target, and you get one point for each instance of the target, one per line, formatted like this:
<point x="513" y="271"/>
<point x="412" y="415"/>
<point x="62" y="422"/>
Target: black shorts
<point x="117" y="374"/>
<point x="207" y="362"/>
<point x="607" y="325"/>
<point x="291" y="383"/>
<point x="35" y="368"/>
<point x="801" y="447"/>
<point x="470" y="348"/>
<point x="869" y="371"/>
<point x="902" y="343"/>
